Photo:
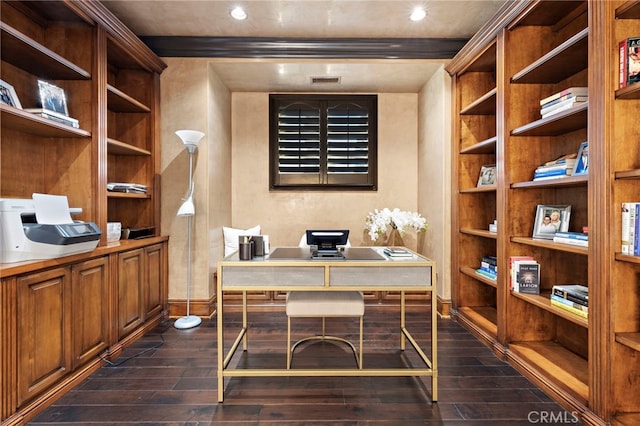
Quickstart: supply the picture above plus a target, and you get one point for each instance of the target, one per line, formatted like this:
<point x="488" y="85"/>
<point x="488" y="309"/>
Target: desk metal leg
<point x="402" y="321"/>
<point x="220" y="333"/>
<point x="244" y="320"/>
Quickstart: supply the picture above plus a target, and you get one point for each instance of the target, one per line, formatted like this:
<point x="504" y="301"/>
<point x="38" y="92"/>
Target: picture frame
<point x="487" y="175"/>
<point x="52" y="98"/>
<point x="551" y="219"/>
<point x="582" y="161"/>
<point x="8" y="95"/>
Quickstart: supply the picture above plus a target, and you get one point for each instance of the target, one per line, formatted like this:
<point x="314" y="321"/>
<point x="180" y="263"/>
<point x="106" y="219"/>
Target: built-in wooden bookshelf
<point x="60" y="317"/>
<point x="539" y="48"/>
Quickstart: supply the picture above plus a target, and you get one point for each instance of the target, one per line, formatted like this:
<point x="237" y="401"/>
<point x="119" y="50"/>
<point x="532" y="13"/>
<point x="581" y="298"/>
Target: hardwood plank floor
<point x="169" y="378"/>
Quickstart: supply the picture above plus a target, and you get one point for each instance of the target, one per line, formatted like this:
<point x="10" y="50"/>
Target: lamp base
<point x="187" y="322"/>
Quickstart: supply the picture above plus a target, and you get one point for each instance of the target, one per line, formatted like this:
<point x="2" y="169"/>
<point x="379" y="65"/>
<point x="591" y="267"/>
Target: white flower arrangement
<point x="378" y="221"/>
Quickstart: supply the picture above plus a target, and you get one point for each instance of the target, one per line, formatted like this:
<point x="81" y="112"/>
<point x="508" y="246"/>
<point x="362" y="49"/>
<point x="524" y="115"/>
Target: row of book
<point x="134" y="188"/>
<point x="563" y="100"/>
<point x="54" y="116"/>
<point x="560" y="167"/>
<point x="574" y="238"/>
<point x="396" y="251"/>
<point x="629" y="56"/>
<point x="630" y="229"/>
<point x="488" y="267"/>
<point x="524" y="275"/>
<point x="573" y="298"/>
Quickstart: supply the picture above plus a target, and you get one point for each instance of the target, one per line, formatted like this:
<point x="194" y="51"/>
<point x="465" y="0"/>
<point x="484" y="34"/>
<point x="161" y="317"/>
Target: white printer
<point x="23" y="238"/>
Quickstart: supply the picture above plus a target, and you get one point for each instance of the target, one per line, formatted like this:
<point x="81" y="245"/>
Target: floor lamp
<point x="191" y="139"/>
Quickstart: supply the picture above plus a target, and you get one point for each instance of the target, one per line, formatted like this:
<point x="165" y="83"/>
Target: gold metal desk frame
<point x="405" y="274"/>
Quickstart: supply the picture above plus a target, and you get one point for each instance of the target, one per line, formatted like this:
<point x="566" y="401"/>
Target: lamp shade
<point x="190" y="137"/>
<point x="187" y="208"/>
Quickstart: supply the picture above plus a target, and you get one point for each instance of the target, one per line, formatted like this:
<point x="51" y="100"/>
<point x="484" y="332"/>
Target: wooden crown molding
<point x="344" y="48"/>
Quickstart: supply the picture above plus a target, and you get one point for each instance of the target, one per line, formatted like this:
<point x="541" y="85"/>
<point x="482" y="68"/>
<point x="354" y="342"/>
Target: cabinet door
<point x="154" y="285"/>
<point x="130" y="291"/>
<point x="44" y="343"/>
<point x="90" y="300"/>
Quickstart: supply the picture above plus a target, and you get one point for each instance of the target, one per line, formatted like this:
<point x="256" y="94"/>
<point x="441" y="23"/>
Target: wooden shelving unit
<point x="73" y="310"/>
<point x="588" y="365"/>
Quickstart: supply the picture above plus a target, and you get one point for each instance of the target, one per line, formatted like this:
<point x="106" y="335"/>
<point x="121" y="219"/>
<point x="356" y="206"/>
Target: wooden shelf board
<point x="27" y="122"/>
<point x="631" y="340"/>
<point x="627" y="258"/>
<point x="628" y="174"/>
<point x="629" y="10"/>
<point x="487" y="146"/>
<point x="484" y="105"/>
<point x="563" y="61"/>
<point x="25" y="53"/>
<point x="472" y="273"/>
<point x="629" y="92"/>
<point x="123" y="148"/>
<point x="486" y="188"/>
<point x="560" y="182"/>
<point x="549" y="244"/>
<point x="484" y="317"/>
<point x="558" y="124"/>
<point x="128" y="195"/>
<point x="479" y="232"/>
<point x="557" y="364"/>
<point x="542" y="301"/>
<point x="539" y="15"/>
<point x="119" y="101"/>
<point x="486" y="61"/>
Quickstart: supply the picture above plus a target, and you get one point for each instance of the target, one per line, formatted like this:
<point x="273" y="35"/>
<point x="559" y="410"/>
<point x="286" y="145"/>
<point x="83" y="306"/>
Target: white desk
<point x="353" y="273"/>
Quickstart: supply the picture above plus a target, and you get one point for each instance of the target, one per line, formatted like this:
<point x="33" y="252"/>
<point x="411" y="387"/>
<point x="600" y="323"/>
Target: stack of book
<point x="397" y="252"/>
<point x="629" y="61"/>
<point x="563" y="101"/>
<point x="524" y="274"/>
<point x="573" y="298"/>
<point x="54" y="116"/>
<point x="135" y="188"/>
<point x="488" y="267"/>
<point x="574" y="238"/>
<point x="630" y="229"/>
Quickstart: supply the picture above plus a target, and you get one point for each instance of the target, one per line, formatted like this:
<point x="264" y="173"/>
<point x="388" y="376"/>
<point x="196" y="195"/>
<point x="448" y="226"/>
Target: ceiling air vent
<point x="324" y="80"/>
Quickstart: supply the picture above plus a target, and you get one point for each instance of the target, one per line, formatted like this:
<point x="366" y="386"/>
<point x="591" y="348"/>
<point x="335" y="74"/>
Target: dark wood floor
<point x="169" y="378"/>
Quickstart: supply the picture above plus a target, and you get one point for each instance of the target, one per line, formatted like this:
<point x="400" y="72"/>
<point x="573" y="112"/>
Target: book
<point x="636" y="232"/>
<point x="487" y="274"/>
<point x="568" y="302"/>
<point x="563" y="158"/>
<point x="576" y="91"/>
<point x="564" y="107"/>
<point x="571" y="241"/>
<point x="624" y="220"/>
<point x="565" y="164"/>
<point x="632" y="228"/>
<point x="573" y="235"/>
<point x="568" y="308"/>
<point x="528" y="277"/>
<point x="395" y="251"/>
<point x="560" y="103"/>
<point x="514" y="265"/>
<point x="629" y="61"/>
<point x="552" y="173"/>
<point x="54" y="116"/>
<point x="575" y="292"/>
<point x="126" y="187"/>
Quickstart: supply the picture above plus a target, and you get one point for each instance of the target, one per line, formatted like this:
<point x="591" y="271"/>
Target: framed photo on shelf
<point x="582" y="162"/>
<point x="8" y="95"/>
<point x="487" y="175"/>
<point x="551" y="219"/>
<point x="52" y="98"/>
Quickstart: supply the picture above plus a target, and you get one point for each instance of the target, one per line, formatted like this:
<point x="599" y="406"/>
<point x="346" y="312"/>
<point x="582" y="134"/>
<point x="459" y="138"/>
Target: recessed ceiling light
<point x="238" y="13"/>
<point x="418" y="14"/>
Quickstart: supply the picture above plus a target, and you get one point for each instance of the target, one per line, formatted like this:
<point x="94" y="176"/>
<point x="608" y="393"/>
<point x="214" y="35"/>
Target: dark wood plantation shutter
<point x="320" y="141"/>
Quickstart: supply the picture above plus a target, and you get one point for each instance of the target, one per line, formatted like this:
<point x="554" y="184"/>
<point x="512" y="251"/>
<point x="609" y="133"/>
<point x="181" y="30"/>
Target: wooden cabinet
<point x="141" y="278"/>
<point x="44" y="331"/>
<point x="529" y="51"/>
<point x="111" y="84"/>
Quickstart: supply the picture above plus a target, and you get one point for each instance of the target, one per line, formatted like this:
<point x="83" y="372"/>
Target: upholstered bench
<point x="324" y="304"/>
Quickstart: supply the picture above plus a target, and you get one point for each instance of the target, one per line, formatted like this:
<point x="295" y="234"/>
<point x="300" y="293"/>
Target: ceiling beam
<point x="324" y="48"/>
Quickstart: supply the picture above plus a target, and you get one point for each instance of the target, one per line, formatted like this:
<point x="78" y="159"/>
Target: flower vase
<point x="394" y="238"/>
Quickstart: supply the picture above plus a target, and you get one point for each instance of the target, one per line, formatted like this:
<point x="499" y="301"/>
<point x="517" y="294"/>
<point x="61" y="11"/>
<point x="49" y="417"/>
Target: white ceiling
<point x="312" y="19"/>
